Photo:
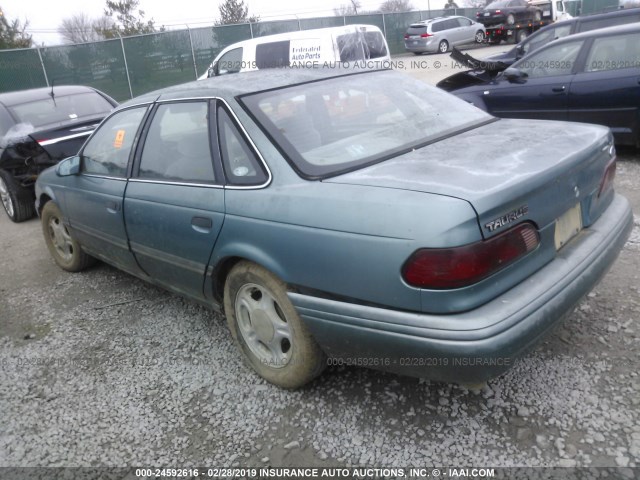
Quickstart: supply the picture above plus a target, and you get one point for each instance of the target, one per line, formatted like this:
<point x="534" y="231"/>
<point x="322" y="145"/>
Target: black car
<point x="563" y="29"/>
<point x="38" y="128"/>
<point x="509" y="12"/>
<point x="591" y="77"/>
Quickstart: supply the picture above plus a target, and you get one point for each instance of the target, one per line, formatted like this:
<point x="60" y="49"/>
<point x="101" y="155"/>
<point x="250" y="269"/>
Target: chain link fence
<point x="126" y="67"/>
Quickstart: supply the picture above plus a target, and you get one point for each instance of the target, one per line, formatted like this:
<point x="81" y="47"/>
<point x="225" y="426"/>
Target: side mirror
<point x="69" y="166"/>
<point x="210" y="72"/>
<point x="515" y="75"/>
<point x="519" y="50"/>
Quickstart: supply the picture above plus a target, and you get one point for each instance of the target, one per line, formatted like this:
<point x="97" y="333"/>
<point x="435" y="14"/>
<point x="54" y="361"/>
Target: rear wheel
<point x="66" y="251"/>
<point x="479" y="36"/>
<point x="443" y="46"/>
<point x="537" y="16"/>
<point x="265" y="325"/>
<point x="511" y="19"/>
<point x="17" y="201"/>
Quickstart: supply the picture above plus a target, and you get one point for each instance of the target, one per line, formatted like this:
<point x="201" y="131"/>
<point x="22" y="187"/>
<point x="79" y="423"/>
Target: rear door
<point x="174" y="205"/>
<point x="544" y="93"/>
<point x="607" y="90"/>
<point x="93" y="199"/>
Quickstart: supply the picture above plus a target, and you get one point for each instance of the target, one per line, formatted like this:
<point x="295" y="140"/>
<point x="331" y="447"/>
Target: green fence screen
<point x="132" y="66"/>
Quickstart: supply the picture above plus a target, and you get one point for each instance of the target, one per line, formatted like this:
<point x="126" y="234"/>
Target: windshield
<point x="343" y="123"/>
<point x="498" y="4"/>
<point x="63" y="109"/>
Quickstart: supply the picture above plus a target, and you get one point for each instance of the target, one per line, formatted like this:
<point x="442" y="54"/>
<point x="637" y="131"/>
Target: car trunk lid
<point x="509" y="171"/>
<point x="62" y="142"/>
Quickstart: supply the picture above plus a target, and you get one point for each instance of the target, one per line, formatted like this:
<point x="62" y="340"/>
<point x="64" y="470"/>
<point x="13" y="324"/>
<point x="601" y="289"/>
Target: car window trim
<point x="243" y="131"/>
<point x="135" y="170"/>
<point x="134" y="145"/>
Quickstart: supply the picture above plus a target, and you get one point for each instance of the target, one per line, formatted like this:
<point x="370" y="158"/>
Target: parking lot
<point x="100" y="369"/>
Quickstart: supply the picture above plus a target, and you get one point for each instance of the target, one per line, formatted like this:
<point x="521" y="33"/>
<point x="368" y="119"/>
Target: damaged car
<point x="356" y="218"/>
<point x="589" y="77"/>
<point x="38" y="128"/>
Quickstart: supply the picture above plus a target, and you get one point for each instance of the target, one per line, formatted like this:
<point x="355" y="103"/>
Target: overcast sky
<point x="45" y="15"/>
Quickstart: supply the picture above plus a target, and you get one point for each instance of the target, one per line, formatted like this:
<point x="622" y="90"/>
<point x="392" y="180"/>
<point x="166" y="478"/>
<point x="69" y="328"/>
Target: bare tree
<point x="80" y="28"/>
<point x="390" y="6"/>
<point x="347" y="9"/>
<point x="13" y="33"/>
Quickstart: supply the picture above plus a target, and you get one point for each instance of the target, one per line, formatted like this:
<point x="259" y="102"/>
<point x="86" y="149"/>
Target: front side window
<point x="376" y="45"/>
<point x="551" y="62"/>
<point x="614" y="53"/>
<point x="336" y="124"/>
<point x="107" y="152"/>
<point x="177" y="145"/>
<point x="230" y="62"/>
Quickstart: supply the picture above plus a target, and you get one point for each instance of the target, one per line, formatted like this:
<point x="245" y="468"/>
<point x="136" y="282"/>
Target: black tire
<point x="479" y="37"/>
<point x="64" y="249"/>
<point x="537" y="16"/>
<point x="258" y="311"/>
<point x="417" y="53"/>
<point x="521" y="35"/>
<point x="511" y="19"/>
<point x="443" y="46"/>
<point x="17" y="201"/>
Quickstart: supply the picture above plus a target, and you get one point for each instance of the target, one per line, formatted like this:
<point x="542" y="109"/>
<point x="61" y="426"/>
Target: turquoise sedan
<point x="355" y="217"/>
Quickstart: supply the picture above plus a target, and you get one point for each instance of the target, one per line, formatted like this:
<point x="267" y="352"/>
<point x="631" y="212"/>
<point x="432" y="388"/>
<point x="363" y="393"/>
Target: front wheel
<point x="479" y="36"/>
<point x="522" y="34"/>
<point x="511" y="19"/>
<point x="537" y="16"/>
<point x="265" y="325"/>
<point x="64" y="249"/>
<point x="17" y="202"/>
<point x="443" y="46"/>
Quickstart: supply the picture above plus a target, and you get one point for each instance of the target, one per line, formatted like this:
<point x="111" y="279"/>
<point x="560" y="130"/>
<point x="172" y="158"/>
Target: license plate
<point x="486" y="14"/>
<point x="568" y="226"/>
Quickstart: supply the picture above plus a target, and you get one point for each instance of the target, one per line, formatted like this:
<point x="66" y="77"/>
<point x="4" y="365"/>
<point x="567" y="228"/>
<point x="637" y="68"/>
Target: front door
<point x="94" y="198"/>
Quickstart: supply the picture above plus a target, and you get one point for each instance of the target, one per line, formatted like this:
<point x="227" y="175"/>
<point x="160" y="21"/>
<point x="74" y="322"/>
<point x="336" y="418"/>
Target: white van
<point x="306" y="48"/>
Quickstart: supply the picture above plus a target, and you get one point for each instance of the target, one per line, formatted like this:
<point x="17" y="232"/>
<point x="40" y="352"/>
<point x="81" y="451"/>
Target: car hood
<point x="486" y="64"/>
<point x="482" y="71"/>
<point x="502" y="166"/>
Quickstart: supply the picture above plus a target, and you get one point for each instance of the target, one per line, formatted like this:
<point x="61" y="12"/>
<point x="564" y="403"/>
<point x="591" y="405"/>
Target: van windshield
<point x="330" y="126"/>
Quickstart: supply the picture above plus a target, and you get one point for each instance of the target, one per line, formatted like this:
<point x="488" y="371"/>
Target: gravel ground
<point x="101" y="369"/>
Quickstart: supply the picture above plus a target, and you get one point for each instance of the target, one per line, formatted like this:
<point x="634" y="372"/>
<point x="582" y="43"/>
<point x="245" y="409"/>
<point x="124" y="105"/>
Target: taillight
<point x="609" y="176"/>
<point x="477" y="14"/>
<point x="442" y="268"/>
<point x="406" y="35"/>
<point x="498" y="11"/>
<point x="425" y="35"/>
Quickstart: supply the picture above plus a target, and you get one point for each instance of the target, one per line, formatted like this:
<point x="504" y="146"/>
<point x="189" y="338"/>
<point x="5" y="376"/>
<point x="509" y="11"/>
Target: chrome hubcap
<point x="6" y="198"/>
<point x="60" y="238"/>
<point x="263" y="325"/>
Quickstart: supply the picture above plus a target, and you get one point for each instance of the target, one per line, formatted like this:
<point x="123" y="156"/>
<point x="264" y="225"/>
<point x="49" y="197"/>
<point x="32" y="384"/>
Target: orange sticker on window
<point x="119" y="140"/>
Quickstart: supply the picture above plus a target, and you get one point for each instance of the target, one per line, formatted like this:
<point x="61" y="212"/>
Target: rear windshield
<point x="498" y="4"/>
<point x="63" y="109"/>
<point x="417" y="29"/>
<point x="340" y="124"/>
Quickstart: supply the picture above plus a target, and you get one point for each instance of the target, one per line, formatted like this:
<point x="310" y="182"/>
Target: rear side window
<point x="177" y="144"/>
<point x="593" y="24"/>
<point x="273" y="54"/>
<point x="376" y="45"/>
<point x="230" y="62"/>
<point x="240" y="163"/>
<point x="62" y="109"/>
<point x="614" y="53"/>
<point x="438" y="27"/>
<point x="107" y="152"/>
<point x="350" y="47"/>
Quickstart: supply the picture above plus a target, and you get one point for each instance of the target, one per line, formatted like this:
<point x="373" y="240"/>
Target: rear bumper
<point x="480" y="344"/>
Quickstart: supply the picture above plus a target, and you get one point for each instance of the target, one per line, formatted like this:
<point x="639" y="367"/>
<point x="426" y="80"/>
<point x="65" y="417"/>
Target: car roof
<point x="621" y="12"/>
<point x="601" y="32"/>
<point x="25" y="96"/>
<point x="255" y="81"/>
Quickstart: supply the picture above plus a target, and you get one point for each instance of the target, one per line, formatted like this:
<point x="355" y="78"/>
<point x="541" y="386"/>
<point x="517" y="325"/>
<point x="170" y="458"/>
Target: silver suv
<point x="441" y="33"/>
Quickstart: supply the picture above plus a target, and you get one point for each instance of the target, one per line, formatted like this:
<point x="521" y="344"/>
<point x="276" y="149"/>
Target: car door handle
<point x="201" y="224"/>
<point x="112" y="206"/>
<point x="558" y="89"/>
